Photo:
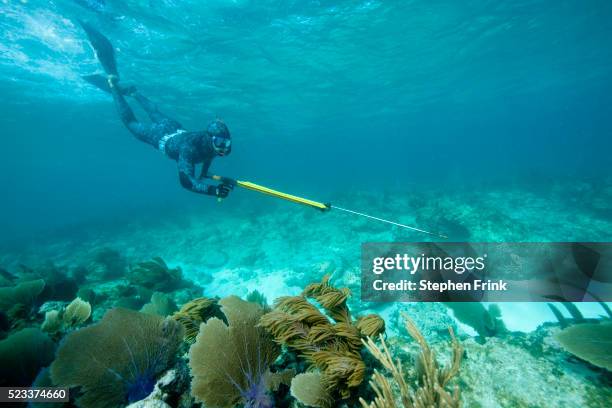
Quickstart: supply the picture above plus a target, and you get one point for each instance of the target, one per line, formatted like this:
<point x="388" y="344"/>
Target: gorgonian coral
<point x="430" y="387"/>
<point x="118" y="360"/>
<point x="22" y="355"/>
<point x="196" y="312"/>
<point x="332" y="346"/>
<point x="231" y="362"/>
<point x="156" y="275"/>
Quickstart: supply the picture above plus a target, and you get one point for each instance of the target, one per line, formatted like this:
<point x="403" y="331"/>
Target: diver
<point x="187" y="148"/>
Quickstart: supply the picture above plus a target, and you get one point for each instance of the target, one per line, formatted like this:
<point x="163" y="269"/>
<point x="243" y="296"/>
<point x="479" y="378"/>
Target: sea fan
<point x="118" y="360"/>
<point x="230" y="362"/>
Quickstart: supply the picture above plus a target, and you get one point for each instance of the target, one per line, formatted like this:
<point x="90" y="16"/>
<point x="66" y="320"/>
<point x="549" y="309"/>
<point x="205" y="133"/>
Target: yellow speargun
<point x="311" y="203"/>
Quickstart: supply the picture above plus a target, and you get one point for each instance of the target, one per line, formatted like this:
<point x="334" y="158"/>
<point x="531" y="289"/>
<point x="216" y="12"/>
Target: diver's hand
<point x="224" y="180"/>
<point x="223" y="190"/>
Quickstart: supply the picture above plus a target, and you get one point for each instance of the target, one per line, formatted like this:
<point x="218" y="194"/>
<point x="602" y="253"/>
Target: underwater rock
<point x="118" y="360"/>
<point x="432" y="318"/>
<point x="517" y="369"/>
<point x="22" y="355"/>
<point x="591" y="342"/>
<point x="156" y="275"/>
<point x="231" y="362"/>
<point x="157" y="397"/>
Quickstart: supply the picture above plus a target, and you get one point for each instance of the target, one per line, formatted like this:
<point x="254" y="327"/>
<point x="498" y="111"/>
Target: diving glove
<point x="223" y="190"/>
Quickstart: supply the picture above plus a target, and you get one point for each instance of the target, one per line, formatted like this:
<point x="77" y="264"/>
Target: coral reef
<point x="332" y="347"/>
<point x="276" y="264"/>
<point x="161" y="304"/>
<point x="485" y="321"/>
<point x="231" y="362"/>
<point x="107" y="263"/>
<point x="59" y="285"/>
<point x="24" y="293"/>
<point x="5" y="324"/>
<point x="308" y="389"/>
<point x="22" y="355"/>
<point x="77" y="313"/>
<point x="17" y="302"/>
<point x="117" y="360"/>
<point x="196" y="312"/>
<point x="259" y="298"/>
<point x="429" y="388"/>
<point x="53" y="322"/>
<point x="156" y="275"/>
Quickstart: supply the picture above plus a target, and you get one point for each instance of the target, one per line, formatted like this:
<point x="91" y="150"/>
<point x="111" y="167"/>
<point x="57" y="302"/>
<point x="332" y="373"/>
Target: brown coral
<point x="429" y="389"/>
<point x="77" y="312"/>
<point x="161" y="304"/>
<point x="156" y="275"/>
<point x="230" y="362"/>
<point x="22" y="355"/>
<point x="308" y="389"/>
<point x="196" y="312"/>
<point x="24" y="293"/>
<point x="332" y="347"/>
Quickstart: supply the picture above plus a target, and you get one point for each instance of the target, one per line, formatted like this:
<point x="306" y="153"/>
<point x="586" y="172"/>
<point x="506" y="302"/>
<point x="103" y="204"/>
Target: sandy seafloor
<point x="281" y="248"/>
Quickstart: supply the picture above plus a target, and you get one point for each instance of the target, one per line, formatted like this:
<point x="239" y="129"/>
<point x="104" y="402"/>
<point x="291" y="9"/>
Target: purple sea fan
<point x="118" y="360"/>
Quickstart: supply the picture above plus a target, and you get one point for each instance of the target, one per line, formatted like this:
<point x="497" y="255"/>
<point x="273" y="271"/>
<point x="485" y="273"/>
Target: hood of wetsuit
<point x="220" y="138"/>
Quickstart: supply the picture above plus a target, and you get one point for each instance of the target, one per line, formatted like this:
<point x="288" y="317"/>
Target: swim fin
<point x="103" y="49"/>
<point x="98" y="81"/>
<point x="101" y="82"/>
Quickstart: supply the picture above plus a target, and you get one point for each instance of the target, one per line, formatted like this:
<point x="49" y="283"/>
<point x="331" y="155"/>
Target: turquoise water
<point x="319" y="96"/>
<point x="482" y="120"/>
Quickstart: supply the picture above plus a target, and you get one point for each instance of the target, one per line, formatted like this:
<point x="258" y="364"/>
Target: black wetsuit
<point x="164" y="133"/>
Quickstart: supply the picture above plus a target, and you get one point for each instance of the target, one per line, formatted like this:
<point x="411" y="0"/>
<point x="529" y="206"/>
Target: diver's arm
<point x="204" y="172"/>
<point x="188" y="179"/>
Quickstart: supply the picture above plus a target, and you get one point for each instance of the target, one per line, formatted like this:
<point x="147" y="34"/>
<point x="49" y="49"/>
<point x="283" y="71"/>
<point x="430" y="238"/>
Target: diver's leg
<point x="150" y="108"/>
<point x="138" y="129"/>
